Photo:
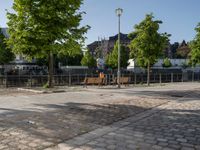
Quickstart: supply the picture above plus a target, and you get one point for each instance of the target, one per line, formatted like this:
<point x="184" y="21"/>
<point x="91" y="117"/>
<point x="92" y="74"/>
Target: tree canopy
<point x="6" y="54"/>
<point x="148" y="44"/>
<point x="88" y="60"/>
<point x="42" y="28"/>
<point x="167" y="63"/>
<point x="183" y="50"/>
<point x="195" y="48"/>
<point x="112" y="58"/>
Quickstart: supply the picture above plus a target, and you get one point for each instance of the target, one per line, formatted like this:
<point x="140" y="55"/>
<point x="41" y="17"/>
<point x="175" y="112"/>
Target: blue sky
<point x="179" y="17"/>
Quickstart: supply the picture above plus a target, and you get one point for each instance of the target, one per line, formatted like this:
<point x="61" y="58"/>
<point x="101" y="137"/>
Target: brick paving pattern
<point x="133" y="119"/>
<point x="171" y="126"/>
<point x="38" y="130"/>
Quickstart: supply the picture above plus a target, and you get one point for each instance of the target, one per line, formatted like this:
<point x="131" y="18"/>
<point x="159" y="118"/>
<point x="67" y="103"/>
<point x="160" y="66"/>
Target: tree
<point x="112" y="58"/>
<point x="88" y="60"/>
<point x="167" y="63"/>
<point x="74" y="60"/>
<point x="6" y="54"/>
<point x="183" y="50"/>
<point x="148" y="44"/>
<point x="195" y="48"/>
<point x="174" y="47"/>
<point x="43" y="28"/>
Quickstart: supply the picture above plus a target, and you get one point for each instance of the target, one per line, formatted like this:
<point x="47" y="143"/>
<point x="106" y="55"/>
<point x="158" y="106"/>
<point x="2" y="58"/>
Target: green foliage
<point x="112" y="58"/>
<point x="64" y="60"/>
<point x="99" y="53"/>
<point x="167" y="63"/>
<point x="195" y="48"/>
<point x="46" y="86"/>
<point x="185" y="65"/>
<point x="6" y="54"/>
<point x="39" y="27"/>
<point x="88" y="60"/>
<point x="183" y="50"/>
<point x="44" y="28"/>
<point x="174" y="47"/>
<point x="148" y="43"/>
<point x="70" y="60"/>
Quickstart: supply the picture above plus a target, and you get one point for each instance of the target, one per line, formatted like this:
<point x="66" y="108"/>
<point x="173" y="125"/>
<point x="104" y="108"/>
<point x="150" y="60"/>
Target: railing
<point x="78" y="79"/>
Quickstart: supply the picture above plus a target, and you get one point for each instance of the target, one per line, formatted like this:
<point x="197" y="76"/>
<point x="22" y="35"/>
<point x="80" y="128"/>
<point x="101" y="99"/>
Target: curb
<point x="40" y="91"/>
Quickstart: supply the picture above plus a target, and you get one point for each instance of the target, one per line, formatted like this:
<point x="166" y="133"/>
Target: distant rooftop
<point x="5" y="32"/>
<point x="122" y="37"/>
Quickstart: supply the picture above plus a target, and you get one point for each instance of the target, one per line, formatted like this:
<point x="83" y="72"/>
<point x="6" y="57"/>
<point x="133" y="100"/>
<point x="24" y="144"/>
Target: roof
<point x="122" y="37"/>
<point x="5" y="32"/>
<point x="93" y="43"/>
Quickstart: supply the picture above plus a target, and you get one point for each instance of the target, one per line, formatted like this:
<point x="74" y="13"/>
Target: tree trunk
<point x="148" y="74"/>
<point x="50" y="73"/>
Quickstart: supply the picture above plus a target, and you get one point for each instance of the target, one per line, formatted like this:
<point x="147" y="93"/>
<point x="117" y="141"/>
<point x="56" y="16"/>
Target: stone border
<point x="40" y="91"/>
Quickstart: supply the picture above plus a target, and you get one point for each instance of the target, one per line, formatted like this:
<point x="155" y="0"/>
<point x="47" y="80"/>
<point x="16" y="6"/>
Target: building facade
<point x="101" y="48"/>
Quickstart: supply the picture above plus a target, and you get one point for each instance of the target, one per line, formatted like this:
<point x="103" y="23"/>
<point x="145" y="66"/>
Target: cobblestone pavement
<point x="173" y="125"/>
<point x="146" y="118"/>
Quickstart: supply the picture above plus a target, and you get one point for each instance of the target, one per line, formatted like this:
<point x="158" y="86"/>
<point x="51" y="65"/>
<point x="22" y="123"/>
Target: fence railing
<point x="78" y="79"/>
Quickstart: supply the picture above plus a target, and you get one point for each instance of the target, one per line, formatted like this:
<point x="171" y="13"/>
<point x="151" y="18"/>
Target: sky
<point x="179" y="17"/>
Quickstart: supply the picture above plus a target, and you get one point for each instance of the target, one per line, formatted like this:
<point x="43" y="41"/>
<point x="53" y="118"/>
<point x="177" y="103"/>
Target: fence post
<point x="142" y="78"/>
<point x="172" y="77"/>
<point x="108" y="79"/>
<point x="182" y="76"/>
<point x="6" y="79"/>
<point x="69" y="79"/>
<point x="160" y="78"/>
<point x="135" y="78"/>
<point x="193" y="76"/>
<point x="78" y="79"/>
<point x="31" y="80"/>
<point x="19" y="79"/>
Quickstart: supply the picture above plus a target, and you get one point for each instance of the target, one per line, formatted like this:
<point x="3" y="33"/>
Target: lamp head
<point x="119" y="11"/>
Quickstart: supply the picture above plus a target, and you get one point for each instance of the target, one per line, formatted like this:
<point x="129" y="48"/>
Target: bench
<point x="123" y="81"/>
<point x="93" y="81"/>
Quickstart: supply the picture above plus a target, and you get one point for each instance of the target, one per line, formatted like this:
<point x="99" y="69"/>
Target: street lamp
<point x="119" y="13"/>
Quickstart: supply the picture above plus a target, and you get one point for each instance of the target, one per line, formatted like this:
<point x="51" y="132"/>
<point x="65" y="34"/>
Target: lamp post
<point x="119" y="13"/>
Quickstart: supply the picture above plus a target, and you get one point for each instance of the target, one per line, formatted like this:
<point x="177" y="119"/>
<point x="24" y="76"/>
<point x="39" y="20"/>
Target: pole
<point x="118" y="73"/>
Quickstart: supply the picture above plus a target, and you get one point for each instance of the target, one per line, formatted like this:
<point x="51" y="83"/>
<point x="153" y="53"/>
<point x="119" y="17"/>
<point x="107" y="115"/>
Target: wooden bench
<point x="123" y="80"/>
<point x="93" y="81"/>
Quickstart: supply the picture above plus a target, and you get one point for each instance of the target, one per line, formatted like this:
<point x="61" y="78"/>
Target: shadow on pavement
<point x="56" y="123"/>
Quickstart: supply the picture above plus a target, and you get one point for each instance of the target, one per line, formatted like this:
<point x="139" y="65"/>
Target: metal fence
<point x="78" y="79"/>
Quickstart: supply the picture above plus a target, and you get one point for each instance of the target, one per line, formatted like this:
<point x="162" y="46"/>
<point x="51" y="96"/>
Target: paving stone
<point x="187" y="145"/>
<point x="162" y="140"/>
<point x="163" y="144"/>
<point x="166" y="148"/>
<point x="111" y="147"/>
<point x="197" y="147"/>
<point x="64" y="146"/>
<point x="181" y="140"/>
<point x="3" y="146"/>
<point x="175" y="146"/>
<point x="187" y="148"/>
<point x="156" y="147"/>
